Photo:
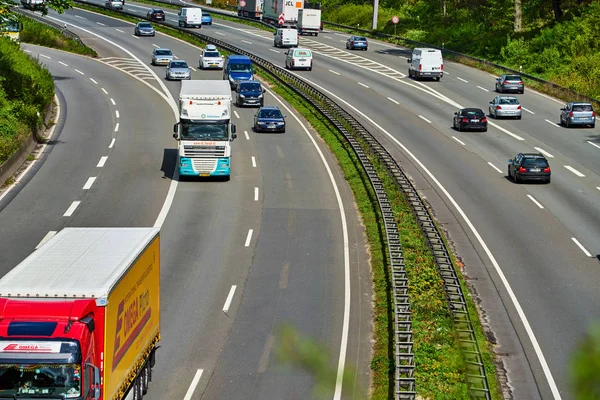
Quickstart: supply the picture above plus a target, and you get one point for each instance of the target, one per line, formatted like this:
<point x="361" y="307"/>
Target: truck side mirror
<point x="233" y="136"/>
<point x="264" y="90"/>
<point x="562" y="109"/>
<point x="96" y="382"/>
<point x="233" y="129"/>
<point x="409" y="60"/>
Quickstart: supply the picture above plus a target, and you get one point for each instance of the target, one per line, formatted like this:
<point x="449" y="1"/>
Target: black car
<point x="530" y="167"/>
<point x="269" y="119"/>
<point x="470" y="119"/>
<point x="156" y="14"/>
<point x="249" y="93"/>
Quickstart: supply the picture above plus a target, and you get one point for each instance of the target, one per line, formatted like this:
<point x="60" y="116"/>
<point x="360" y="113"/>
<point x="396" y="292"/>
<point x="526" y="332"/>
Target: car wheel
<point x="516" y="178"/>
<point x="567" y="124"/>
<point x="484" y="130"/>
<point x="548" y="180"/>
<point x="509" y="174"/>
<point x="310" y="69"/>
<point x="593" y="125"/>
<point x="522" y="91"/>
<point x="519" y="117"/>
<point x="154" y="34"/>
<point x="460" y="127"/>
<point x="283" y="130"/>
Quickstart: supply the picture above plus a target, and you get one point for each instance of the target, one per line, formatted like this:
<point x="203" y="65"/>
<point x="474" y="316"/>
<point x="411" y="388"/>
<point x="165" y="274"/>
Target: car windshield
<point x="269" y="114"/>
<point x="513" y="78"/>
<point x="302" y="53"/>
<point x="509" y="100"/>
<point x="212" y="54"/>
<point x="240" y="68"/>
<point x="250" y="87"/>
<point x="582" y="107"/>
<point x="163" y="53"/>
<point x="534" y="163"/>
<point x="179" y="64"/>
<point x="205" y="14"/>
<point x="472" y="112"/>
<point x="202" y="130"/>
<point x="40" y="380"/>
<point x="144" y="25"/>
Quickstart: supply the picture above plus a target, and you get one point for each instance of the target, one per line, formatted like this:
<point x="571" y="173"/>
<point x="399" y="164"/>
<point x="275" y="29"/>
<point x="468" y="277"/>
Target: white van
<point x="285" y="37"/>
<point x="190" y="17"/>
<point x="298" y="59"/>
<point x="426" y="63"/>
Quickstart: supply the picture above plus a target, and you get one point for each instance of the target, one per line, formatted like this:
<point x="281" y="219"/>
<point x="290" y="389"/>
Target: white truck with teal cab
<point x="205" y="130"/>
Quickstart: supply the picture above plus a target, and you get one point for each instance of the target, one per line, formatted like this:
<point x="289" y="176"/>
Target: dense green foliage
<point x="26" y="90"/>
<point x="563" y="50"/>
<point x="37" y="33"/>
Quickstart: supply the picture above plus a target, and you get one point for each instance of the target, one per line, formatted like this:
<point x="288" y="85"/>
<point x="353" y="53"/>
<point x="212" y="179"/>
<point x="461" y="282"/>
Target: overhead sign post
<point x="281" y="19"/>
<point x="395" y="21"/>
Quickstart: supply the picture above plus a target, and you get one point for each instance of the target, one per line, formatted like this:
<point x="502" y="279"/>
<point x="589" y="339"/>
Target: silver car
<point x="510" y="83"/>
<point x="178" y="70"/>
<point x="161" y="56"/>
<point x="578" y="113"/>
<point x="506" y="106"/>
<point x="144" y="29"/>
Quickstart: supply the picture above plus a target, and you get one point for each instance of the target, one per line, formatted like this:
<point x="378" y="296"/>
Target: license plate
<point x="534" y="170"/>
<point x="474" y="120"/>
<point x="204" y="174"/>
<point x="271" y="126"/>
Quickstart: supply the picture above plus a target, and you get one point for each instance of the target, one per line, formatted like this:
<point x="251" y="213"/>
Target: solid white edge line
<point x="424" y="119"/>
<point x="48" y="236"/>
<point x="255" y="194"/>
<point x="117" y="127"/>
<point x="544" y="152"/>
<point x="248" y="237"/>
<point x="537" y="203"/>
<point x="594" y="144"/>
<point x="246" y="134"/>
<point x="573" y="170"/>
<point x="229" y="298"/>
<point x="193" y="385"/>
<point x="71" y="209"/>
<point x="253" y="162"/>
<point x="482" y="88"/>
<point x="529" y="111"/>
<point x="42" y="150"/>
<point x="346" y="319"/>
<point x="493" y="166"/>
<point x="513" y="297"/>
<point x="587" y="253"/>
<point x="102" y="162"/>
<point x="458" y="140"/>
<point x="112" y="143"/>
<point x="117" y="113"/>
<point x="392" y="100"/>
<point x="362" y="84"/>
<point x="113" y="101"/>
<point x="79" y="72"/>
<point x="162" y="215"/>
<point x="236" y="114"/>
<point x="89" y="183"/>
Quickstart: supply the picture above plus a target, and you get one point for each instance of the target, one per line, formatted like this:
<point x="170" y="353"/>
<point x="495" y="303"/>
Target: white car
<point x="210" y="58"/>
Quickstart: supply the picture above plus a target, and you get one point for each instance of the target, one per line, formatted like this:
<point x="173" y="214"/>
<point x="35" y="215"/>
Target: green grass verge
<point x="43" y="35"/>
<point x="440" y="365"/>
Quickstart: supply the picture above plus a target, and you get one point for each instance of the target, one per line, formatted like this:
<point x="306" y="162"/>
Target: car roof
<point x="269" y="108"/>
<point x="237" y="57"/>
<point x="250" y="81"/>
<point x="144" y="22"/>
<point x="210" y="47"/>
<point x="157" y="10"/>
<point x="533" y="155"/>
<point x="472" y="109"/>
<point x="580" y="103"/>
<point x="162" y="48"/>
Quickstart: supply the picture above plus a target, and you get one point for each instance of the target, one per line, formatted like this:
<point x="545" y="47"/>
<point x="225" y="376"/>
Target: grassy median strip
<point x="440" y="372"/>
<point x="43" y="35"/>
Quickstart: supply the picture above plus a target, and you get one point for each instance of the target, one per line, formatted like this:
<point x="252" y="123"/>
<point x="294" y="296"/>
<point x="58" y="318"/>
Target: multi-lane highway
<point x="281" y="243"/>
<point x="529" y="249"/>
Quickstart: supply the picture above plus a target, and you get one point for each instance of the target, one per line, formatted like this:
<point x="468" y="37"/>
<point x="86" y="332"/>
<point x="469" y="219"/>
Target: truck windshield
<point x="202" y="130"/>
<point x="240" y="68"/>
<point x="20" y="380"/>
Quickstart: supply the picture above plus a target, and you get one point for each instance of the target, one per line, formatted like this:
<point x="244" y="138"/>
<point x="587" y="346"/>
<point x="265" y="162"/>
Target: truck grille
<point x="201" y="165"/>
<point x="204" y="151"/>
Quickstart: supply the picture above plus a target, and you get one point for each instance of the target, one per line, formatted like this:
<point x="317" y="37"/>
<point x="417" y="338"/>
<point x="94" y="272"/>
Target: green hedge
<point x="26" y="90"/>
<point x="43" y="35"/>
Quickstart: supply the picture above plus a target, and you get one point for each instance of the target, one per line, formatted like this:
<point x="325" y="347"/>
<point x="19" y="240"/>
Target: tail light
<point x="498" y="108"/>
<point x="484" y="119"/>
<point x="420" y="67"/>
<point x="464" y="120"/>
<point x="505" y="83"/>
<point x="593" y="114"/>
<point x="519" y="107"/>
<point x="547" y="169"/>
<point x="442" y="67"/>
<point x="520" y="82"/>
<point x="521" y="169"/>
<point x="571" y="114"/>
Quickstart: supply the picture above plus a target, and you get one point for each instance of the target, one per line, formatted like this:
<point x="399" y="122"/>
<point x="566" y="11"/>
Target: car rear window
<point x="510" y="100"/>
<point x="472" y="112"/>
<point x="582" y="107"/>
<point x="513" y="78"/>
<point x="302" y="53"/>
<point x="534" y="163"/>
<point x="361" y="38"/>
<point x="163" y="52"/>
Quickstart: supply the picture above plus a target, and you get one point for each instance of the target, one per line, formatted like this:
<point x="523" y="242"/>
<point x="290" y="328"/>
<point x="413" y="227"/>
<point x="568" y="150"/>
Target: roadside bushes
<point x="37" y="33"/>
<point x="26" y="90"/>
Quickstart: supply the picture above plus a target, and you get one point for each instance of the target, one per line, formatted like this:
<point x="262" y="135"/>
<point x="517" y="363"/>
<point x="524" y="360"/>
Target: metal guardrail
<point x="445" y="51"/>
<point x="366" y="147"/>
<point x="30" y="14"/>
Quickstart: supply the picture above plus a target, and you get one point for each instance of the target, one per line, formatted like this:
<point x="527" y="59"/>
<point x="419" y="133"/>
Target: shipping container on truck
<point x="289" y="8"/>
<point x="250" y="8"/>
<point x="79" y="317"/>
<point x="309" y="22"/>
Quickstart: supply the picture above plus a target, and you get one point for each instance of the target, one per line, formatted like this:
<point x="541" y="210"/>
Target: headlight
<point x="260" y="96"/>
<point x="242" y="96"/>
<point x="231" y="79"/>
<point x="280" y="123"/>
<point x="261" y="123"/>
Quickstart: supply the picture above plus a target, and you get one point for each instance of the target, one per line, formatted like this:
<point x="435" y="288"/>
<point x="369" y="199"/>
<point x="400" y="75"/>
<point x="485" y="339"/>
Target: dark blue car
<point x="249" y="93"/>
<point x="269" y="119"/>
<point x="237" y="68"/>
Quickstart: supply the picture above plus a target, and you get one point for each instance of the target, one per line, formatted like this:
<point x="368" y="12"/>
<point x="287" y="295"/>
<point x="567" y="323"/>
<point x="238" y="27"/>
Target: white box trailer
<point x="288" y="8"/>
<point x="309" y="21"/>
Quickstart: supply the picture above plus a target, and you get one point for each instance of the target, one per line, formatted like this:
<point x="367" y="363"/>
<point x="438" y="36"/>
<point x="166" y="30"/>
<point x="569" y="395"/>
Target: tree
<point x="558" y="13"/>
<point x="518" y="16"/>
<point x="60" y="6"/>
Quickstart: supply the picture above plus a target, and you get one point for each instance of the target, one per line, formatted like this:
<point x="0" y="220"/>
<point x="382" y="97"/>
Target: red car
<point x="156" y="14"/>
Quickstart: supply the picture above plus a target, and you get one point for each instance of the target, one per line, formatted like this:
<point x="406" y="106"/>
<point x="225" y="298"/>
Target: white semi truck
<point x="309" y="21"/>
<point x="205" y="130"/>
